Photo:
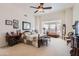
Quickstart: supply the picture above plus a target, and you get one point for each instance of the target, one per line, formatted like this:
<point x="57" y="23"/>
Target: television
<point x="76" y="27"/>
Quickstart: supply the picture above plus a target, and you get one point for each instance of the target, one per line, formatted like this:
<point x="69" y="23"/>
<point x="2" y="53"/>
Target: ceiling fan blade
<point x="47" y="7"/>
<point x="33" y="7"/>
<point x="36" y="11"/>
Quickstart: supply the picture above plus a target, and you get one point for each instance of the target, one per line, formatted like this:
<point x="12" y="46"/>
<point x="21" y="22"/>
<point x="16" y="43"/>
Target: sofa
<point x="30" y="39"/>
<point x="53" y="34"/>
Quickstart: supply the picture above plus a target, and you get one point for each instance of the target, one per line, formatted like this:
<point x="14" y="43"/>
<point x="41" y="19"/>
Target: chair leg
<point x="46" y="43"/>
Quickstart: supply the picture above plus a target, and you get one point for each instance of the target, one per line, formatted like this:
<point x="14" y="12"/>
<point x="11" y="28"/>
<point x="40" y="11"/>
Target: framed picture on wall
<point x="8" y="22"/>
<point x="26" y="26"/>
<point x="15" y="24"/>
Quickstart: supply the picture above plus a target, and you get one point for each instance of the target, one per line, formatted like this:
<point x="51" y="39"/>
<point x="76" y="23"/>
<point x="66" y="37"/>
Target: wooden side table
<point x="77" y="51"/>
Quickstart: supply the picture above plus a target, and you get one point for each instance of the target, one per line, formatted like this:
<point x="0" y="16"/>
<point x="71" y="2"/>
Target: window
<point x="50" y="27"/>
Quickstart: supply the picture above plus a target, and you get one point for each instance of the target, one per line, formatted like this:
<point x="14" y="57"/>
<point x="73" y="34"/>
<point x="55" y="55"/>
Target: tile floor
<point x="56" y="47"/>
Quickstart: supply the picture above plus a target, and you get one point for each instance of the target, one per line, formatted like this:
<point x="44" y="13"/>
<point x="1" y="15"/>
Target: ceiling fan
<point x="40" y="8"/>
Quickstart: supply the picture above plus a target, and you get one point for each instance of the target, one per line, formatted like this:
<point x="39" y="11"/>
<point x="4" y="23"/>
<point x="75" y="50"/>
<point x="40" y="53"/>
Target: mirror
<point x="26" y="25"/>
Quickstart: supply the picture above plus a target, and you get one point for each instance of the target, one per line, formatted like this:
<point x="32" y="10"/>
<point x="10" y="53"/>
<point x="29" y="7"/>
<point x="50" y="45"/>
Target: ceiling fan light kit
<point x="40" y="8"/>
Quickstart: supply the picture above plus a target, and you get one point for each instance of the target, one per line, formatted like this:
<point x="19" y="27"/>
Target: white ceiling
<point x="55" y="6"/>
<point x="61" y="6"/>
